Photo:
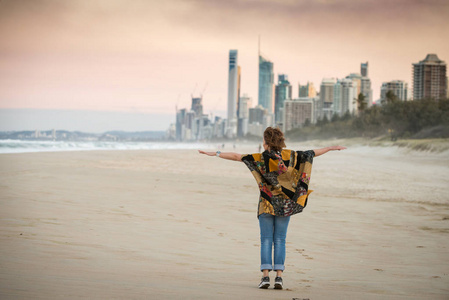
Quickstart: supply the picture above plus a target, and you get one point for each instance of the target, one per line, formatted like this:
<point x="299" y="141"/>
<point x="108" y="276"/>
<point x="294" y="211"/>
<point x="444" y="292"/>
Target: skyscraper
<point x="245" y="104"/>
<point x="326" y="100"/>
<point x="364" y="69"/>
<point x="327" y="91"/>
<point x="307" y="90"/>
<point x="345" y="91"/>
<point x="398" y="87"/>
<point x="283" y="92"/>
<point x="429" y="78"/>
<point x="180" y="123"/>
<point x="366" y="89"/>
<point x="233" y="90"/>
<point x="363" y="85"/>
<point x="197" y="106"/>
<point x="298" y="112"/>
<point x="266" y="82"/>
<point x="357" y="78"/>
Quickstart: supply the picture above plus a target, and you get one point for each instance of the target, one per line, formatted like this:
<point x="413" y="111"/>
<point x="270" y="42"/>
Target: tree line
<point x="393" y="118"/>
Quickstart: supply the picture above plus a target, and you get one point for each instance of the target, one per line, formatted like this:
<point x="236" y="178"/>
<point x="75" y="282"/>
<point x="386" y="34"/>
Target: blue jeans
<point x="273" y="230"/>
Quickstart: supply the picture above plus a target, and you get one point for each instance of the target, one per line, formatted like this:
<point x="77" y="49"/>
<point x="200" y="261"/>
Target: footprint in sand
<point x="304" y="255"/>
<point x="380" y="270"/>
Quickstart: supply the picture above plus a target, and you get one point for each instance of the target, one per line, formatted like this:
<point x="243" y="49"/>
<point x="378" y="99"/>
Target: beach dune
<point x="178" y="225"/>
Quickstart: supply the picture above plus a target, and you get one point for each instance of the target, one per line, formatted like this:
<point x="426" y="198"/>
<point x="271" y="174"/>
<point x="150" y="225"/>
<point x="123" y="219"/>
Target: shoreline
<point x="435" y="146"/>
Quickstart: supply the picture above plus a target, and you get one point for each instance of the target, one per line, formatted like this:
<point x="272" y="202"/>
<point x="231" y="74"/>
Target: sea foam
<point x="22" y="146"/>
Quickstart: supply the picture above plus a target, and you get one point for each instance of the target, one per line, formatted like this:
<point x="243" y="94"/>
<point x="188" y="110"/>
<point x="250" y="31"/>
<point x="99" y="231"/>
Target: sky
<point x="149" y="57"/>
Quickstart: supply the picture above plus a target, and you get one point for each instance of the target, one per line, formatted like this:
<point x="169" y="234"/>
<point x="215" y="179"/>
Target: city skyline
<point x="148" y="57"/>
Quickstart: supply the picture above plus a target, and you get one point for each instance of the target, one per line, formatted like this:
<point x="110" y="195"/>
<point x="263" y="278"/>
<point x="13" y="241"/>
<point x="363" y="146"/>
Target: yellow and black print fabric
<point x="283" y="179"/>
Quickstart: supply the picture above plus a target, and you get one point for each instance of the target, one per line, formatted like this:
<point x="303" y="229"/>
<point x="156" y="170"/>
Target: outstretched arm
<point x="225" y="155"/>
<point x="321" y="151"/>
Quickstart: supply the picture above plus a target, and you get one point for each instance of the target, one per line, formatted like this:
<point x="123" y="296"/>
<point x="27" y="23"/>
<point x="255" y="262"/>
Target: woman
<point x="283" y="177"/>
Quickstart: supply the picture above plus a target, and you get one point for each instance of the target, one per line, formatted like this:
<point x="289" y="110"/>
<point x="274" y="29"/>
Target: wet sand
<point x="178" y="225"/>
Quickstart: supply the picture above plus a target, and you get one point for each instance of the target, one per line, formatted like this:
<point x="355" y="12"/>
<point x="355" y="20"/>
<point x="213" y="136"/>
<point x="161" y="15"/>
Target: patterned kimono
<point x="283" y="179"/>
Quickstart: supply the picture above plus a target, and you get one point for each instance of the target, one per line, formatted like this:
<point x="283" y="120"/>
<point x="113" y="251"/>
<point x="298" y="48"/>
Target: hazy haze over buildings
<point x="146" y="57"/>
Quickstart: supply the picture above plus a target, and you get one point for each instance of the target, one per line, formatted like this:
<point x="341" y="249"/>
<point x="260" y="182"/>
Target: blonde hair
<point x="274" y="138"/>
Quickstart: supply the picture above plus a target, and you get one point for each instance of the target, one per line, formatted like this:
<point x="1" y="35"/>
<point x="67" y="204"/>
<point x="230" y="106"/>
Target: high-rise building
<point x="257" y="114"/>
<point x="258" y="120"/>
<point x="202" y="128"/>
<point x="180" y="124"/>
<point x="327" y="91"/>
<point x="345" y="91"/>
<point x="283" y="92"/>
<point x="189" y="119"/>
<point x="357" y="79"/>
<point x="365" y="84"/>
<point x="266" y="83"/>
<point x="398" y="87"/>
<point x="364" y="69"/>
<point x="219" y="127"/>
<point x="366" y="90"/>
<point x="307" y="90"/>
<point x="429" y="78"/>
<point x="297" y="112"/>
<point x="245" y="104"/>
<point x="326" y="98"/>
<point x="197" y="106"/>
<point x="336" y="107"/>
<point x="233" y="93"/>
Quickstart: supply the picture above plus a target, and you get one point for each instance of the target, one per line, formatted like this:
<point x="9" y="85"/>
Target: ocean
<point x="22" y="146"/>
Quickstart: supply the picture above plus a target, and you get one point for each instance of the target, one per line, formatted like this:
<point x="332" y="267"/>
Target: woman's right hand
<point x="207" y="153"/>
<point x="337" y="148"/>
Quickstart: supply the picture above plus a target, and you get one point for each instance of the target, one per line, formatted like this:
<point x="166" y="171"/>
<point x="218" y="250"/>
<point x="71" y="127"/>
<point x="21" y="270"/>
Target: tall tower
<point x="398" y="87"/>
<point x="365" y="87"/>
<point x="283" y="91"/>
<point x="233" y="90"/>
<point x="266" y="83"/>
<point x="364" y="69"/>
<point x="429" y="78"/>
<point x="197" y="106"/>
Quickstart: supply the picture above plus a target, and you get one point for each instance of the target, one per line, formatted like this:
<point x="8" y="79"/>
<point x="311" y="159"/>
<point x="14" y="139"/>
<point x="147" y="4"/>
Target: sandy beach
<point x="178" y="225"/>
